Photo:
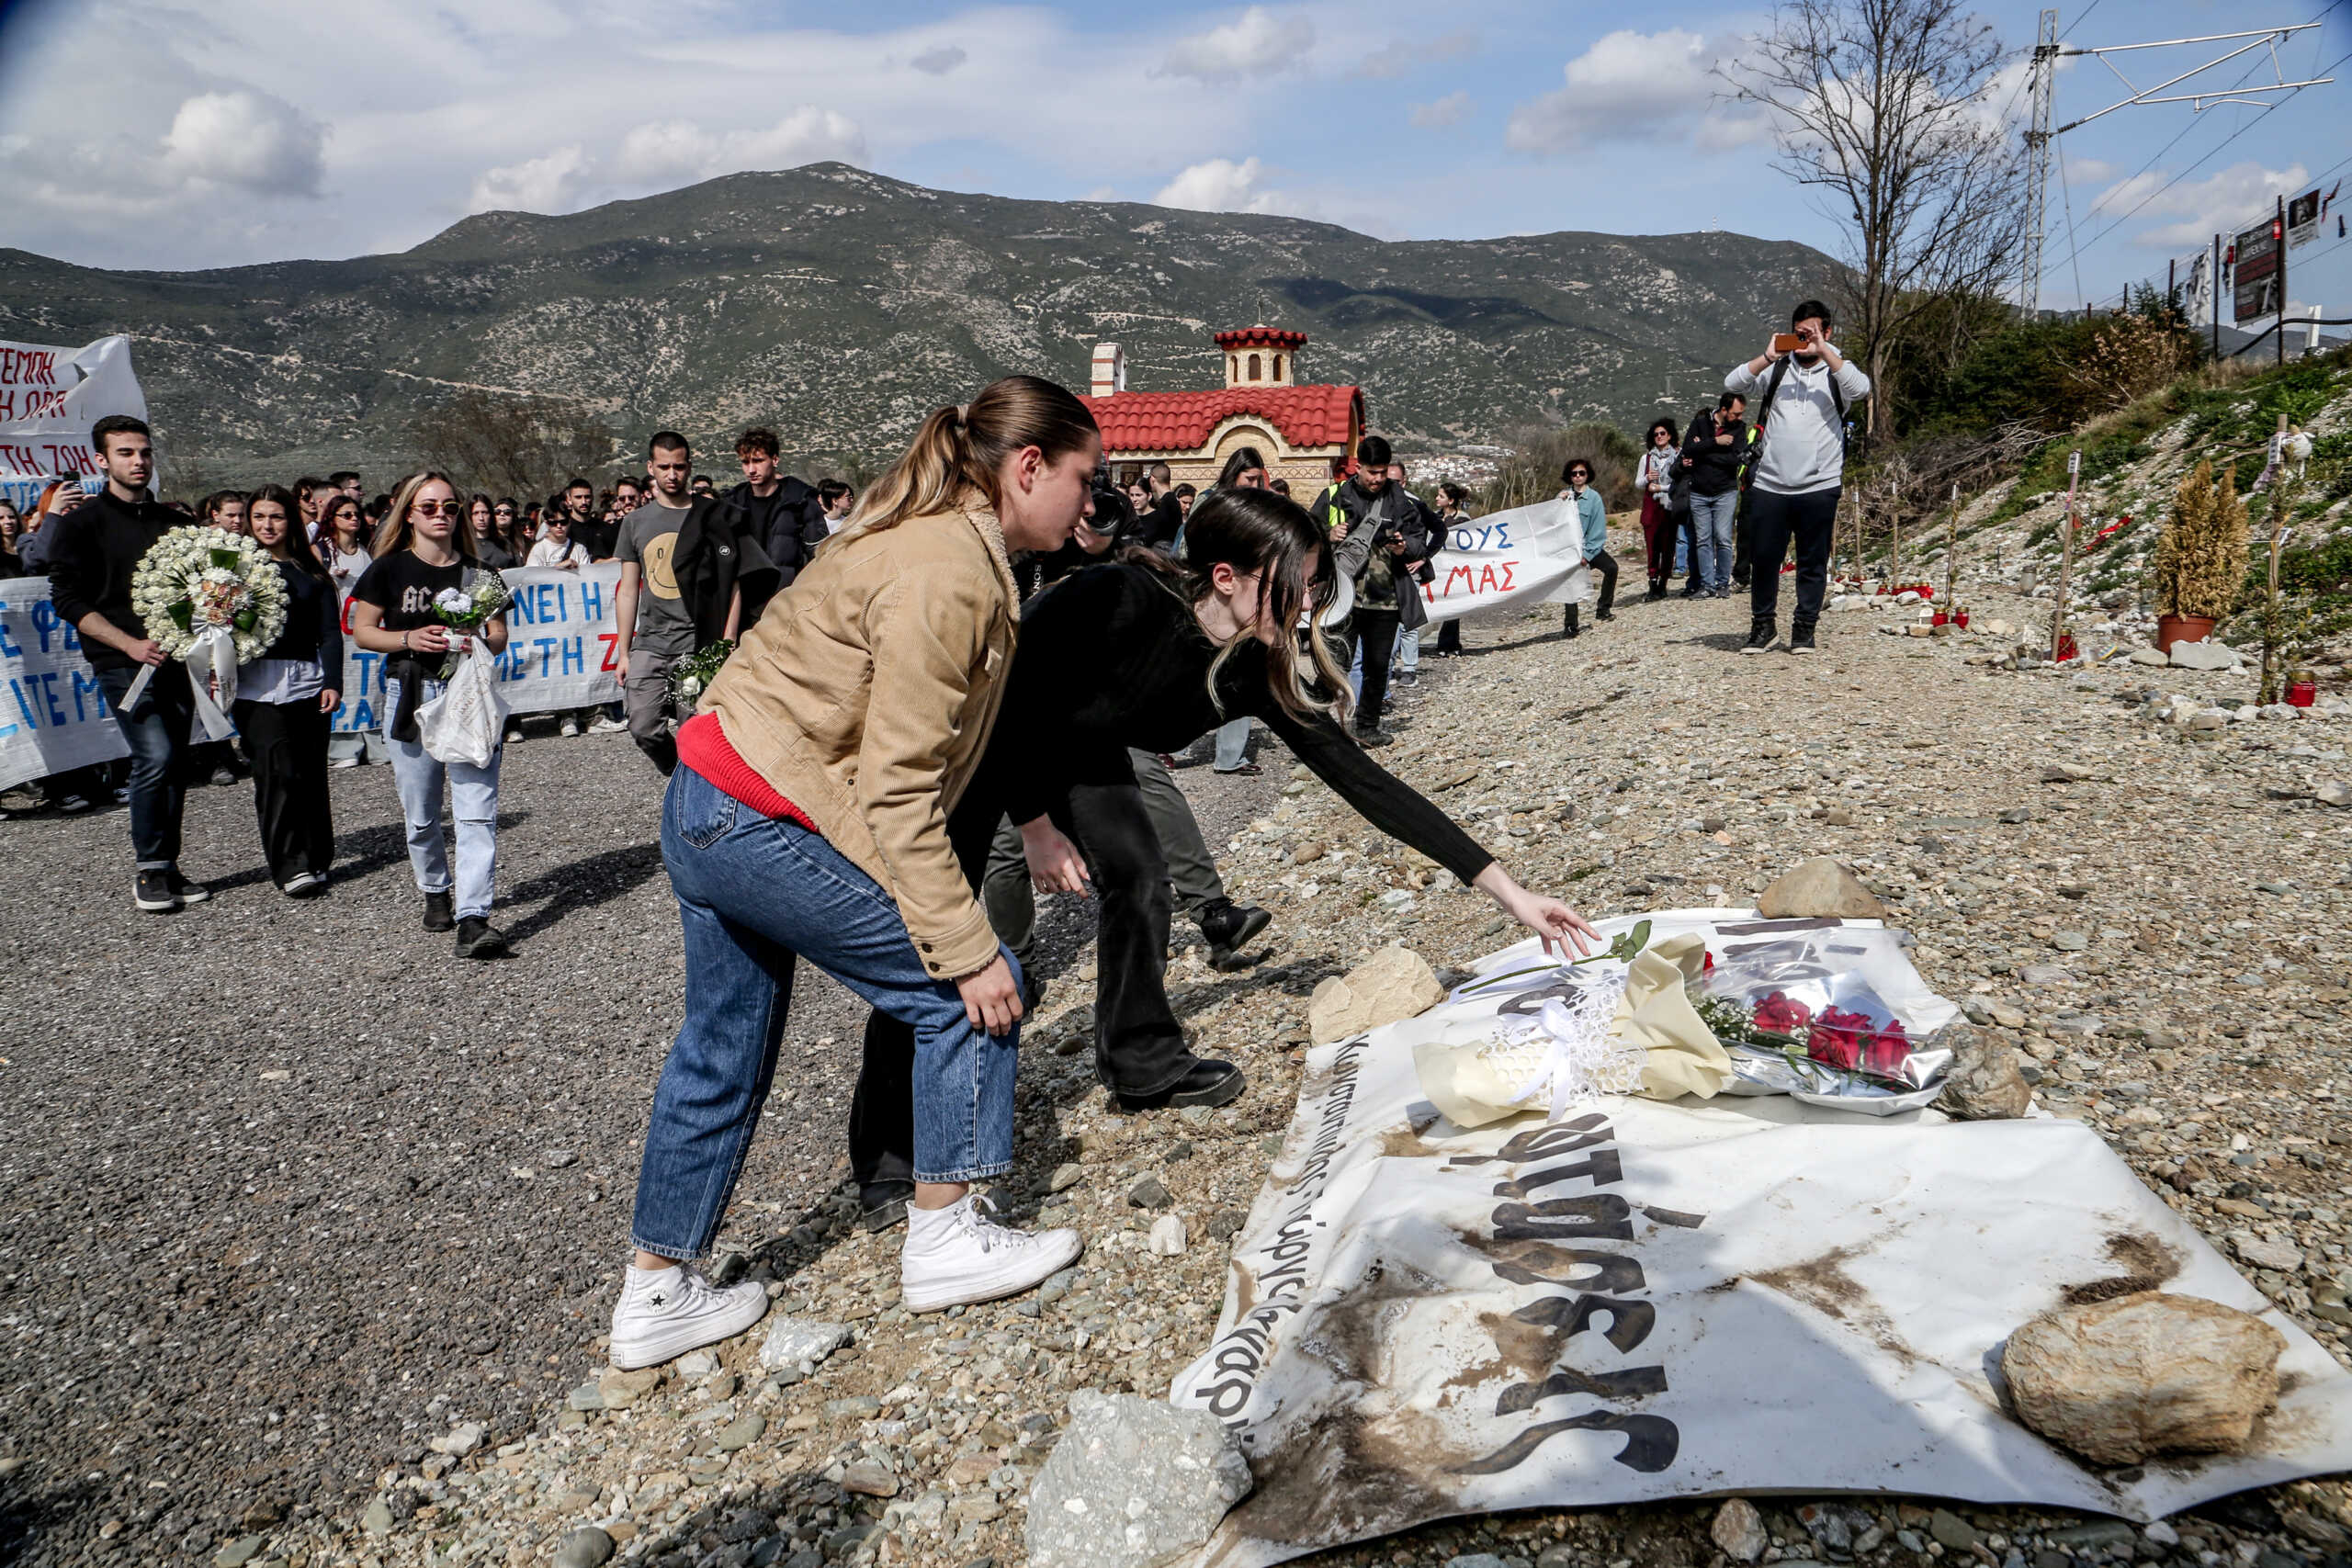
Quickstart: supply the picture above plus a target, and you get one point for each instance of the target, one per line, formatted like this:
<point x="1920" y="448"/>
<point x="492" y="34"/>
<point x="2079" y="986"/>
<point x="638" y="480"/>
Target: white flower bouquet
<point x="196" y="581"/>
<point x="466" y="609"/>
<point x="212" y="600"/>
<point x="692" y="675"/>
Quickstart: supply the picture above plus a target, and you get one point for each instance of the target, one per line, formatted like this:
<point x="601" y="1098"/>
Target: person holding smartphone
<point x="1802" y="389"/>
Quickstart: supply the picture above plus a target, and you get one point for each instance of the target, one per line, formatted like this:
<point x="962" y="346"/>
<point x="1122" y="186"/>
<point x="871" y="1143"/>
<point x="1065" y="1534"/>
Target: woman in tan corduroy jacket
<point x="808" y="818"/>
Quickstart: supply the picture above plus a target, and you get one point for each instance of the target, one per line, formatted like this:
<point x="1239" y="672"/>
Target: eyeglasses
<point x="505" y="511"/>
<point x="433" y="509"/>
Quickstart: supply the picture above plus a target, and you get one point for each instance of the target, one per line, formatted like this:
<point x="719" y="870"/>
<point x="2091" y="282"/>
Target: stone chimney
<point x="1260" y="356"/>
<point x="1110" y="369"/>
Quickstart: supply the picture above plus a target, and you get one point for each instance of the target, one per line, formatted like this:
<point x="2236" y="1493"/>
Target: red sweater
<point x="702" y="746"/>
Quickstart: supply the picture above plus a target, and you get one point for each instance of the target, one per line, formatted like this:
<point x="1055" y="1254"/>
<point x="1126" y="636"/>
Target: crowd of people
<point x="945" y="694"/>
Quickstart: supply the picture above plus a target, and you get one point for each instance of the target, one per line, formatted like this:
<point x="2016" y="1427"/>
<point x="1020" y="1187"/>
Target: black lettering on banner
<point x="1604" y="1216"/>
<point x="1631" y="1382"/>
<point x="1651" y="1442"/>
<point x="1528" y="1253"/>
<point x="1629" y="1322"/>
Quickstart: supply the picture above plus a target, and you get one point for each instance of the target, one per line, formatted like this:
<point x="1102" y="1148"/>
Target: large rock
<point x="2206" y="655"/>
<point x="1133" y="1483"/>
<point x="1392" y="984"/>
<point x="1820" y="888"/>
<point x="2151" y="1373"/>
<point x="1739" y="1531"/>
<point x="1985" y="1083"/>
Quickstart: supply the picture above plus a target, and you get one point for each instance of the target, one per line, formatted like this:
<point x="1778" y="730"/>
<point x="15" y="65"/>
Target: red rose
<point x="1887" y="1051"/>
<point x="1839" y="1037"/>
<point x="1780" y="1014"/>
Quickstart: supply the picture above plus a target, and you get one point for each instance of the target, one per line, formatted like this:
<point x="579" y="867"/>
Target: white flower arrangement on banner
<point x="197" y="581"/>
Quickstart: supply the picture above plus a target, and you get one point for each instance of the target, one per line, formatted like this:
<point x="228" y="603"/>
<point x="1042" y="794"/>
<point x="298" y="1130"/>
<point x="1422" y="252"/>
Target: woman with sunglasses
<point x="423" y="548"/>
<point x="1661" y="460"/>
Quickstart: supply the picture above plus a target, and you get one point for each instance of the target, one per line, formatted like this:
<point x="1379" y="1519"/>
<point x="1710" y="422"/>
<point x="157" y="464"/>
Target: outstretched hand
<point x="1561" y="928"/>
<point x="1054" y="864"/>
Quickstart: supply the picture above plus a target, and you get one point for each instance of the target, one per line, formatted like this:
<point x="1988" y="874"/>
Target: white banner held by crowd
<point x="49" y="399"/>
<point x="55" y="717"/>
<point x="1528" y="553"/>
<point x="1647" y="1301"/>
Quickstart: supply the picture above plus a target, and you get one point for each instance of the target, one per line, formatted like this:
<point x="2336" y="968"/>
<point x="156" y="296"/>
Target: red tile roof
<point x="1181" y="422"/>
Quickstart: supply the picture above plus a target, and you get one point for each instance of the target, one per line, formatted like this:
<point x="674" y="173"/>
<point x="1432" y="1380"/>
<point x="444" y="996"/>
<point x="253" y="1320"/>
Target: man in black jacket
<point x="98" y="546"/>
<point x="1711" y="452"/>
<point x="781" y="515"/>
<point x="1379" y="542"/>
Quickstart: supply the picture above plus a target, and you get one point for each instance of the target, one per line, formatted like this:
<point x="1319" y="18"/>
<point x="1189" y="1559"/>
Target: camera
<point x="1115" y="514"/>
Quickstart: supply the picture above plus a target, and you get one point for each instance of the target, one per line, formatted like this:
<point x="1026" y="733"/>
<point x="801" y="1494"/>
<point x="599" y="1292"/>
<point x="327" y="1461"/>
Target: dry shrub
<point x="2126" y="358"/>
<point x="2200" y="563"/>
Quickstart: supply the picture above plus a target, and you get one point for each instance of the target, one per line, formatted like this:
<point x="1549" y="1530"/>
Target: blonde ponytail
<point x="952" y="460"/>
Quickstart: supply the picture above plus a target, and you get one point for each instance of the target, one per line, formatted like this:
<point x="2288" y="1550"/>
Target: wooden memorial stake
<point x="2065" y="555"/>
<point x="1951" y="548"/>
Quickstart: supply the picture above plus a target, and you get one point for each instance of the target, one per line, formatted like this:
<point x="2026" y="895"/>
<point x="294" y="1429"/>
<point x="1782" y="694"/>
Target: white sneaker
<point x="340" y="763"/>
<point x="664" y="1312"/>
<point x="959" y="1255"/>
<point x="568" y="727"/>
<point x="606" y="725"/>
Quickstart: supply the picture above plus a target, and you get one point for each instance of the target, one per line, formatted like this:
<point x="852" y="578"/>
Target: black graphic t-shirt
<point x="402" y="587"/>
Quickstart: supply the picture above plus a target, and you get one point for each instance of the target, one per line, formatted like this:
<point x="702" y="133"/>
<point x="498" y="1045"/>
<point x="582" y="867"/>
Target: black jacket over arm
<point x="1111" y="657"/>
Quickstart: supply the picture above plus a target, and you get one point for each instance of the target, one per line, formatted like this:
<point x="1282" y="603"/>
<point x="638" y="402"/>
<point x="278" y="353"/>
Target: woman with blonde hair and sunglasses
<point x="423" y="547"/>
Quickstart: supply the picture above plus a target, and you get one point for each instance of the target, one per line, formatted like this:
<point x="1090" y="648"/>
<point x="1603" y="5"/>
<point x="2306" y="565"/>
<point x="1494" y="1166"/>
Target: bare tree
<point x="1886" y="109"/>
<point x="510" y="445"/>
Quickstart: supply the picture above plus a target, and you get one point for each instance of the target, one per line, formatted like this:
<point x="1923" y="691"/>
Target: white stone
<point x="2207" y="655"/>
<point x="1167" y="1237"/>
<point x="800" y="1343"/>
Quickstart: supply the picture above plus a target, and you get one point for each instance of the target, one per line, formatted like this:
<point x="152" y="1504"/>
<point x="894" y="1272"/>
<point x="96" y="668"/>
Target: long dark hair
<point x="297" y="542"/>
<point x="1258" y="530"/>
<point x="1244" y="458"/>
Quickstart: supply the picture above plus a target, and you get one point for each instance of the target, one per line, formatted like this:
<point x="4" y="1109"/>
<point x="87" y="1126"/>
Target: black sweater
<point x="314" y="623"/>
<point x="1111" y="657"/>
<point x="98" y="546"/>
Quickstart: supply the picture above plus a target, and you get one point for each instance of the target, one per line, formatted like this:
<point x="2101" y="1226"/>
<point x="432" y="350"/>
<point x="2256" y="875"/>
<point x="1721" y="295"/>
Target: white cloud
<point x="674" y="150"/>
<point x="1626" y="85"/>
<point x="1407" y="55"/>
<point x="940" y="60"/>
<point x="1220" y="184"/>
<point x="1444" y="111"/>
<point x="249" y="140"/>
<point x="545" y="184"/>
<point x="1256" y="43"/>
<point x="2236" y="198"/>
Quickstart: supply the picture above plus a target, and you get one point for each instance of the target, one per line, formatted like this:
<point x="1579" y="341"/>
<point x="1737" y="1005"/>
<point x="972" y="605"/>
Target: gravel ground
<point x="2154" y="911"/>
<point x="286" y="1182"/>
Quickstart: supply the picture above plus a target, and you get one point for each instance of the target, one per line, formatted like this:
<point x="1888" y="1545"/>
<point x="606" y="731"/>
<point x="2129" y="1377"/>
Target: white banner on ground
<point x="562" y="634"/>
<point x="1649" y="1301"/>
<point x="1529" y="553"/>
<point x="55" y="717"/>
<point x="49" y="399"/>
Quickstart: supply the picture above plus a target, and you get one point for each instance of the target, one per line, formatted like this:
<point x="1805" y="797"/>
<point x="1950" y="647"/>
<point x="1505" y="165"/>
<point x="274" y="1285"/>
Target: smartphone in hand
<point x="1787" y="342"/>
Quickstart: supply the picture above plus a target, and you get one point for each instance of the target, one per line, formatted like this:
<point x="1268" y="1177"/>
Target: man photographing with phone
<point x="1801" y="389"/>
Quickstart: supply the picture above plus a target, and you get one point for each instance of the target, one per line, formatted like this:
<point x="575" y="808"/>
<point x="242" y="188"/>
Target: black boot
<point x="1205" y="1083"/>
<point x="1568" y="624"/>
<point x="883" y="1203"/>
<point x="1800" y="636"/>
<point x="1761" y="632"/>
<point x="1228" y="927"/>
<point x="440" y="912"/>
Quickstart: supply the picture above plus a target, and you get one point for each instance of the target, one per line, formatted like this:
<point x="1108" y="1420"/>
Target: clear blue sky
<point x="181" y="134"/>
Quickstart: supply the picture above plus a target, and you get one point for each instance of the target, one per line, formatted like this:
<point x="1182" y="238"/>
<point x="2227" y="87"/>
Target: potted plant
<point x="2200" y="558"/>
<point x="2302" y="688"/>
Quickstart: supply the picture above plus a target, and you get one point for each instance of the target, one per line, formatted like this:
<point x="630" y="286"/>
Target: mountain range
<point x="839" y="306"/>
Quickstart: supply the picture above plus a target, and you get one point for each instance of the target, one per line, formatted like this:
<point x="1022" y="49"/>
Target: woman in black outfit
<point x="285" y="699"/>
<point x="1149" y="652"/>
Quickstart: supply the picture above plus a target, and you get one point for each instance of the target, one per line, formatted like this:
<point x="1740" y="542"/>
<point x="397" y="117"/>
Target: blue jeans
<point x="1232" y="744"/>
<point x="473" y="801"/>
<point x="157" y="733"/>
<point x="1711" y="524"/>
<point x="755" y="895"/>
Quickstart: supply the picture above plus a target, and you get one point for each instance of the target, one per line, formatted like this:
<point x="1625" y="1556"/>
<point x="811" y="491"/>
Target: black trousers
<point x="1449" y="637"/>
<point x="1809" y="520"/>
<point x="1375" y="632"/>
<point x="1740" y="548"/>
<point x="288" y="743"/>
<point x="1605" y="564"/>
<point x="1138" y="1046"/>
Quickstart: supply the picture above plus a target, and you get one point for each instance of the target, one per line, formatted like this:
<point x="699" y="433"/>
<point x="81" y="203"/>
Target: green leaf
<point x="225" y="560"/>
<point x="245" y="620"/>
<point x="182" y="611"/>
